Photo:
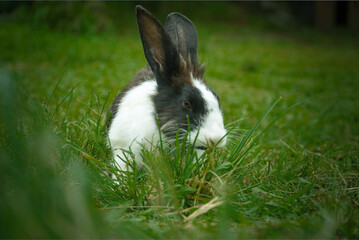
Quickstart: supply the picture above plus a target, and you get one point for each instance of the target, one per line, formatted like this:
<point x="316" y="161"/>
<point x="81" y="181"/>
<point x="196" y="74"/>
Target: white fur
<point x="211" y="128"/>
<point x="134" y="124"/>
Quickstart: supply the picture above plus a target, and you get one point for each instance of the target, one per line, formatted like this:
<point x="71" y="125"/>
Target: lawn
<point x="295" y="176"/>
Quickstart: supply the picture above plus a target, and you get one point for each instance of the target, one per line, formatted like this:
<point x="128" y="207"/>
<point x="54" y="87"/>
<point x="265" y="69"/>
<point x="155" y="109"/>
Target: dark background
<point x="102" y="16"/>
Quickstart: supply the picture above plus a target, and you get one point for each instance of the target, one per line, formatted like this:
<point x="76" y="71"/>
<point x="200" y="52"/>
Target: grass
<point x="299" y="179"/>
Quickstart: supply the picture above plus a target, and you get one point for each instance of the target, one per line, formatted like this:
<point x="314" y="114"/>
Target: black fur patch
<point x="171" y="112"/>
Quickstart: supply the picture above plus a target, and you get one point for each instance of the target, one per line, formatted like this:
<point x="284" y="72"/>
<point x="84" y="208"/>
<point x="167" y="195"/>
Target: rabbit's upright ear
<point x="161" y="54"/>
<point x="184" y="35"/>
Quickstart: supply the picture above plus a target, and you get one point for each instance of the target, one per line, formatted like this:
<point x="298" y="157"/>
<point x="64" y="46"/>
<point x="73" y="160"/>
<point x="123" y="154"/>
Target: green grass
<point x="299" y="179"/>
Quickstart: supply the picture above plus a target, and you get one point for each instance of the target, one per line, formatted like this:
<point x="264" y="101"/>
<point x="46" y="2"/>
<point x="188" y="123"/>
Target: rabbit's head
<point x="182" y="95"/>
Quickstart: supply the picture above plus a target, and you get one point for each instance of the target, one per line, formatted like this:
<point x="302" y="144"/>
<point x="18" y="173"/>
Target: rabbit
<point x="168" y="93"/>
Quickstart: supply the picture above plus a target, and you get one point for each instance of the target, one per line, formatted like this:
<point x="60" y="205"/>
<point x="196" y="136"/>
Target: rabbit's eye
<point x="187" y="105"/>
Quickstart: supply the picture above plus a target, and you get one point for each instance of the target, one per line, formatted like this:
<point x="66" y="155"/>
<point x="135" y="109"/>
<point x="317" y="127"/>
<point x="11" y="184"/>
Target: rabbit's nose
<point x="218" y="141"/>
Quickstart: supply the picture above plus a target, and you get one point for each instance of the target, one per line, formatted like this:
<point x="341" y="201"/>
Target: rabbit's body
<point x="171" y="88"/>
<point x="133" y="123"/>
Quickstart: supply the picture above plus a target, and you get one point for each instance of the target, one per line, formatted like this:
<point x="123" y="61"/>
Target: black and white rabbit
<point x="171" y="87"/>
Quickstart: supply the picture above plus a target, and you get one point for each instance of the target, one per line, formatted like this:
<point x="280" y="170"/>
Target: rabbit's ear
<point x="184" y="35"/>
<point x="161" y="54"/>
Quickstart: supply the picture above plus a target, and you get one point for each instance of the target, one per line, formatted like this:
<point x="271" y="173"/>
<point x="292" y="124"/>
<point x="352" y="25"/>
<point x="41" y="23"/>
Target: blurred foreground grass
<point x="56" y="87"/>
